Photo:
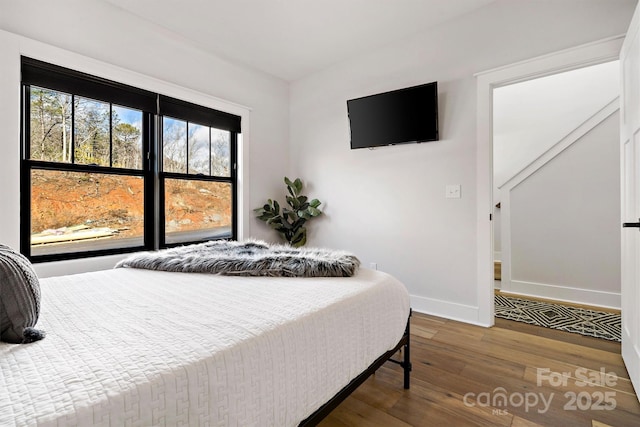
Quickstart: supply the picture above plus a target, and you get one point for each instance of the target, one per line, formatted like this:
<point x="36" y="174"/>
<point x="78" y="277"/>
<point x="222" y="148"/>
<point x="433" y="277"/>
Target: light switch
<point x="452" y="191"/>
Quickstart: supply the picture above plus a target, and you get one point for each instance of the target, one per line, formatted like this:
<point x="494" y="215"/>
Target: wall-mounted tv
<point x="397" y="117"/>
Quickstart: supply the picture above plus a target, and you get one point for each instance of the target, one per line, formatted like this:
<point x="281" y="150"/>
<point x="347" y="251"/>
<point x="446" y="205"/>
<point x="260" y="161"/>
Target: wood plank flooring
<point x="510" y="375"/>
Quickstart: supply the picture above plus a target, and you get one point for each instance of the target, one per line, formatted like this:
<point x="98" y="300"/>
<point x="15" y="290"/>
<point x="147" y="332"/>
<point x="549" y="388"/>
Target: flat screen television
<point x="396" y="117"/>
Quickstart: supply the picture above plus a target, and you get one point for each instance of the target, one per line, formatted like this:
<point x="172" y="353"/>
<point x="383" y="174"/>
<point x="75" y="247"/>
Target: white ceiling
<point x="293" y="38"/>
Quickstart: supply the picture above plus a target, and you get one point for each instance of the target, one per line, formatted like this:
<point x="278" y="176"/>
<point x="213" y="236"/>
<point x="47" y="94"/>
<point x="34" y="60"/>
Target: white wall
<point x="103" y="40"/>
<point x="529" y="117"/>
<point x="388" y="205"/>
<point x="565" y="223"/>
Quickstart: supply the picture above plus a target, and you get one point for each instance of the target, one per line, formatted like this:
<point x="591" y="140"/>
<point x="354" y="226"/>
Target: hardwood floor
<point x="461" y="372"/>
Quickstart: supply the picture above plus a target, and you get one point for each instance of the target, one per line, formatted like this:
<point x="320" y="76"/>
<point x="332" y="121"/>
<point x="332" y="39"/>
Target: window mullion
<point x="187" y="147"/>
<point x="151" y="149"/>
<point x="72" y="158"/>
<point x="233" y="140"/>
<point x="110" y="134"/>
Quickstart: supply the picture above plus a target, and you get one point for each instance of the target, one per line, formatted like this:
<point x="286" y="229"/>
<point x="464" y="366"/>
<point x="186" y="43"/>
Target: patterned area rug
<point x="592" y="323"/>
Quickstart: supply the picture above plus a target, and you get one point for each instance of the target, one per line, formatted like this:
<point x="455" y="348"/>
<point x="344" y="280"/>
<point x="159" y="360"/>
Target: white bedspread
<point x="130" y="347"/>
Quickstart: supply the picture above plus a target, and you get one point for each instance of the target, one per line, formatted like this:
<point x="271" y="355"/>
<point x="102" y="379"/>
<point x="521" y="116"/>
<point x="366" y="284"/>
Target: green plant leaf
<point x="288" y="182"/>
<point x="292" y="201"/>
<point x="292" y="216"/>
<point x="315" y="203"/>
<point x="313" y="211"/>
<point x="299" y="238"/>
<point x="274" y="225"/>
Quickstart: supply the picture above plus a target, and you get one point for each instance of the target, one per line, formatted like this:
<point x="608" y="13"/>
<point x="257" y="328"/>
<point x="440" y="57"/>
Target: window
<point x="197" y="180"/>
<point x="108" y="168"/>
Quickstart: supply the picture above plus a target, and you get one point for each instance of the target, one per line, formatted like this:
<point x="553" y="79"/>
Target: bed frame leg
<point x="404" y="347"/>
<point x="406" y="363"/>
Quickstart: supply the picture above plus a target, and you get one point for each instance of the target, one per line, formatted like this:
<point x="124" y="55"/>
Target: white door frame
<point x="570" y="59"/>
<point x="630" y="199"/>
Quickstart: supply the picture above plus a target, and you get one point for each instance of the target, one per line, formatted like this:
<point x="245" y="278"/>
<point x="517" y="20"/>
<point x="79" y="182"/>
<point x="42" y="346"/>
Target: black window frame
<point x="196" y="114"/>
<point x="153" y="106"/>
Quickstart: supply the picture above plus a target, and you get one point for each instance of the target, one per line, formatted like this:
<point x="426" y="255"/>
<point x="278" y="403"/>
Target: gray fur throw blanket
<point x="249" y="258"/>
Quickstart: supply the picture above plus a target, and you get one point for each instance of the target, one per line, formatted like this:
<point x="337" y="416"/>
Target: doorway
<point x="555" y="153"/>
<point x="576" y="58"/>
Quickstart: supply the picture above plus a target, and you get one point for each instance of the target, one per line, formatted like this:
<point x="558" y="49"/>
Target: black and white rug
<point x="582" y="321"/>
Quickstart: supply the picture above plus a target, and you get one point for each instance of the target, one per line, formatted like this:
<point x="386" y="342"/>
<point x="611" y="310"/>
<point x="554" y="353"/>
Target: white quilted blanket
<point x="132" y="347"/>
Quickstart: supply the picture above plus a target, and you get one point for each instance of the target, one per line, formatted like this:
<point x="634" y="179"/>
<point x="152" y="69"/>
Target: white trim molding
<point x="446" y="309"/>
<point x="557" y="148"/>
<point x="564" y="293"/>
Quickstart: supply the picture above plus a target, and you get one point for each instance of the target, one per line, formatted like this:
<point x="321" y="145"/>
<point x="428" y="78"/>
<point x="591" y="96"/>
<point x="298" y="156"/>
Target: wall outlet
<point x="453" y="191"/>
<point x="373" y="265"/>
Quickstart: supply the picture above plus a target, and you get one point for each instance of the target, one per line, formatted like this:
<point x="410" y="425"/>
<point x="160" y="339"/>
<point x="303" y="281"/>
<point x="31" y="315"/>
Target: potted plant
<point x="290" y="222"/>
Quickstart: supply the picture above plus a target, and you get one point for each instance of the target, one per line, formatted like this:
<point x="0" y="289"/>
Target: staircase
<point x="560" y="285"/>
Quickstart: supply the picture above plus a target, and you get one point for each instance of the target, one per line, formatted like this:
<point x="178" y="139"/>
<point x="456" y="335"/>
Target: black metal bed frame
<point x="333" y="403"/>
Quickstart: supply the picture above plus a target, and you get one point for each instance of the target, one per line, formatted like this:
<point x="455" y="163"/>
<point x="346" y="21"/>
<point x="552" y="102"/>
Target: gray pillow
<point x="19" y="298"/>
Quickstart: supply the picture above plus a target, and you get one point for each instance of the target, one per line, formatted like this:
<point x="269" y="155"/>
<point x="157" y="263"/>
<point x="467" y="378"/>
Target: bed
<point x="134" y="347"/>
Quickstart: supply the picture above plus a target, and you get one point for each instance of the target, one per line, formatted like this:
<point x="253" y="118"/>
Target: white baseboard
<point x="564" y="293"/>
<point x="448" y="310"/>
